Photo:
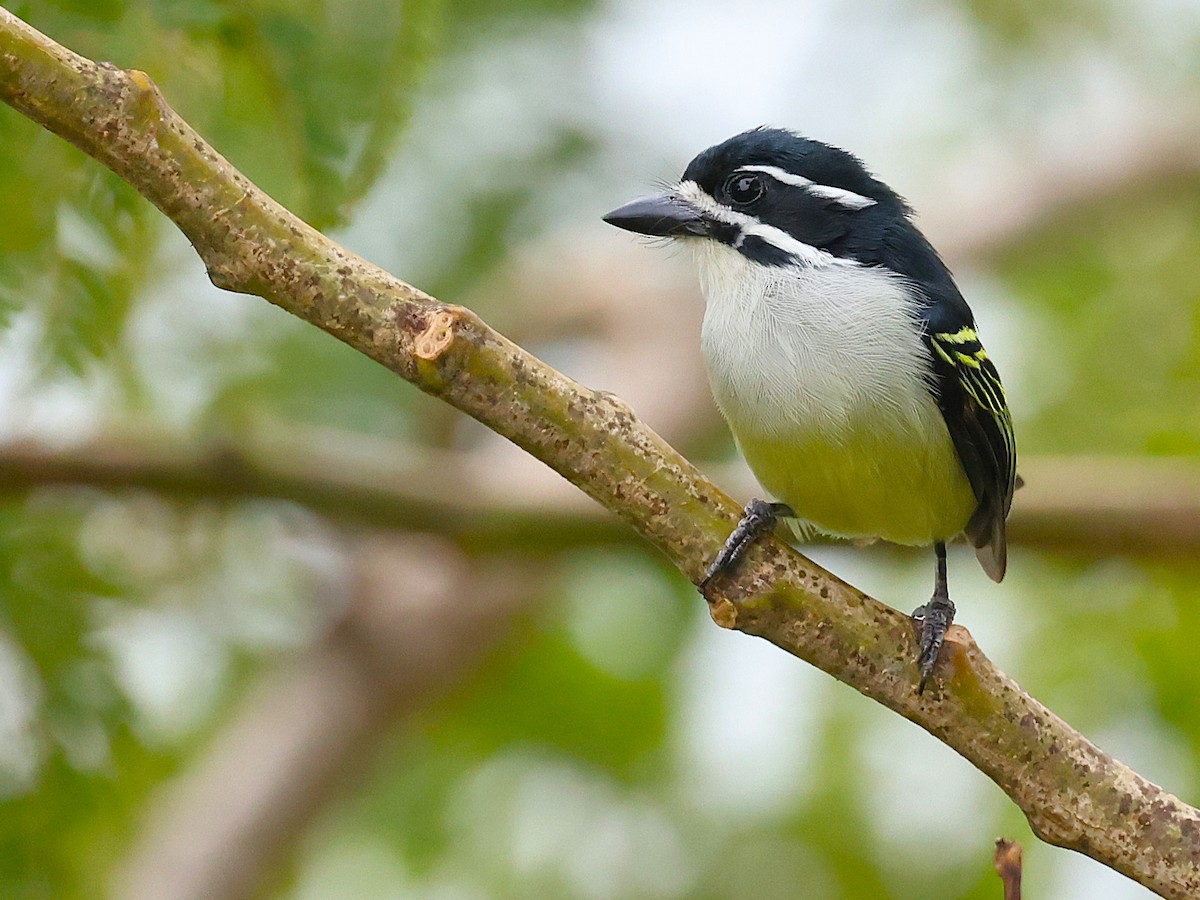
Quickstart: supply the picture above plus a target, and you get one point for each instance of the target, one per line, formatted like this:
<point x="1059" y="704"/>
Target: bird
<point x="842" y="355"/>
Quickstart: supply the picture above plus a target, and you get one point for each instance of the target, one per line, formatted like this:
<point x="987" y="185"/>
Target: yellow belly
<point x="904" y="488"/>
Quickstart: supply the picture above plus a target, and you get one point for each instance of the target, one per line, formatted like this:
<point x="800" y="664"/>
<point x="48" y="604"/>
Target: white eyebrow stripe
<point x="804" y="254"/>
<point x="780" y="175"/>
<point x="840" y="196"/>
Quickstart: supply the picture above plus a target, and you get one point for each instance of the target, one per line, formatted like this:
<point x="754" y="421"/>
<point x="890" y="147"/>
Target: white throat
<point x="823" y="349"/>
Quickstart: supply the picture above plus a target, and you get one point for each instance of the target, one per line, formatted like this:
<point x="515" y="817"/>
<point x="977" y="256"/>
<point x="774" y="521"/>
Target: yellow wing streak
<point x="963" y="350"/>
<point x="964" y="335"/>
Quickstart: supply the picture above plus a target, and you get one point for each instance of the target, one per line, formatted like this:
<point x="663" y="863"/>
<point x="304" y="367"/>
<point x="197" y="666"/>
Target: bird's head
<point x="775" y="197"/>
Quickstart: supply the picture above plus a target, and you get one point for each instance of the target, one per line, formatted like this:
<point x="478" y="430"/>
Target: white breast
<point x="822" y="374"/>
<point x="820" y="349"/>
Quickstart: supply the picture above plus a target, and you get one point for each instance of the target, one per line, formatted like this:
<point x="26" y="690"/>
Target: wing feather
<point x="971" y="398"/>
<point x="962" y="378"/>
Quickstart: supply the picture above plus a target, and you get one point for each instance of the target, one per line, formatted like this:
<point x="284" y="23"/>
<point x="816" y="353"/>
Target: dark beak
<point x="661" y="215"/>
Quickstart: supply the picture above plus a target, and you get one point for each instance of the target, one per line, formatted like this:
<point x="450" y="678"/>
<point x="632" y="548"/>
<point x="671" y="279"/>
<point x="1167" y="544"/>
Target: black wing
<point x="971" y="398"/>
<point x="964" y="380"/>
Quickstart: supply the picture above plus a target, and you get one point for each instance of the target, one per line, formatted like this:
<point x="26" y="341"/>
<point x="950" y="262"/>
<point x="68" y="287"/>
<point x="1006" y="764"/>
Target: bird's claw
<point x="758" y="518"/>
<point x="935" y="617"/>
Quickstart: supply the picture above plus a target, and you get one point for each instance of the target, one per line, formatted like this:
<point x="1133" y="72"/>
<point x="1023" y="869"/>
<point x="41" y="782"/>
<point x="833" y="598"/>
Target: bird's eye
<point x="743" y="188"/>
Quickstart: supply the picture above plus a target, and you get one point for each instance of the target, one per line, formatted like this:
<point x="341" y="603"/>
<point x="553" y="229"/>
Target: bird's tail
<point x="987" y="534"/>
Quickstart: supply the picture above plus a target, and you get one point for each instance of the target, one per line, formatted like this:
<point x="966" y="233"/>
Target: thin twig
<point x="1008" y="866"/>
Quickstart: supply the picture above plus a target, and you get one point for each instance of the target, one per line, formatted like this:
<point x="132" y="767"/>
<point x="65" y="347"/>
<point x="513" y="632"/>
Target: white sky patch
<point x="560" y="824"/>
<point x="1072" y="876"/>
<point x="747" y="726"/>
<point x="649" y="83"/>
<point x="906" y="770"/>
<point x="20" y="700"/>
<point x="168" y="666"/>
<point x="840" y="196"/>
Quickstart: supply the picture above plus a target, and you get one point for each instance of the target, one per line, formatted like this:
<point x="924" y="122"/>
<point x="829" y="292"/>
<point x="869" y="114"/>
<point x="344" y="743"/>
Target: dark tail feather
<point x="987" y="534"/>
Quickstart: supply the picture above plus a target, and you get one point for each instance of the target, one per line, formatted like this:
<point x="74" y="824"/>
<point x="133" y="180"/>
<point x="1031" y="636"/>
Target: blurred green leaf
<point x="1028" y="24"/>
<point x="309" y="100"/>
<point x="536" y="696"/>
<point x="1113" y="284"/>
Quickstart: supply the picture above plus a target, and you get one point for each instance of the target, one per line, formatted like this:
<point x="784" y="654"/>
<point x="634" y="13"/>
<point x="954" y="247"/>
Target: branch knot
<point x="437" y="336"/>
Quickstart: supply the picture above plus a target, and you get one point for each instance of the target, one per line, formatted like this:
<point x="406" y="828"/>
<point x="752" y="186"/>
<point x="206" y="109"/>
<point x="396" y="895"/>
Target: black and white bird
<point x="842" y="355"/>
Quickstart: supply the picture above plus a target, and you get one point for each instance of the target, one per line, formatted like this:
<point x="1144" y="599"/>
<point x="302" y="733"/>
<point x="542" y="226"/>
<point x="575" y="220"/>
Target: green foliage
<point x="311" y="380"/>
<point x="307" y="99"/>
<point x="316" y="97"/>
<point x="92" y="773"/>
<point x="75" y="238"/>
<point x="1032" y="24"/>
<point x="1113" y="286"/>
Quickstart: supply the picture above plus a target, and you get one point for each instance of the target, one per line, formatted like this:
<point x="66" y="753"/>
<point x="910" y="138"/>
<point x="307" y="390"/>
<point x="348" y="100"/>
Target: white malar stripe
<point x="804" y="254"/>
<point x="840" y="196"/>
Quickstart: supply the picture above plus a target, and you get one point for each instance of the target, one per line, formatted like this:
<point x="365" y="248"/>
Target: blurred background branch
<point x="1147" y="507"/>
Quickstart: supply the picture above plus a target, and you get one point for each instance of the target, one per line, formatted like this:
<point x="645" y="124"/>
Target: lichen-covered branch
<point x="1073" y="794"/>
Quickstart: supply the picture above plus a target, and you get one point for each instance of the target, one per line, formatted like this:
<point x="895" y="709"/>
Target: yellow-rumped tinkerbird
<point x="842" y="355"/>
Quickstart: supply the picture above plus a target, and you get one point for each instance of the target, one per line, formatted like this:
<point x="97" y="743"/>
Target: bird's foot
<point x="935" y="618"/>
<point x="758" y="518"/>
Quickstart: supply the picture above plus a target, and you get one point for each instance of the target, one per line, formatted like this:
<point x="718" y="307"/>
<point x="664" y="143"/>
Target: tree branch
<point x="1073" y="794"/>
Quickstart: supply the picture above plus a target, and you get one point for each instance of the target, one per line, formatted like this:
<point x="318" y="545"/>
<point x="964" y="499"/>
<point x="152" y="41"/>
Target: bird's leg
<point x="758" y="518"/>
<point x="935" y="618"/>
